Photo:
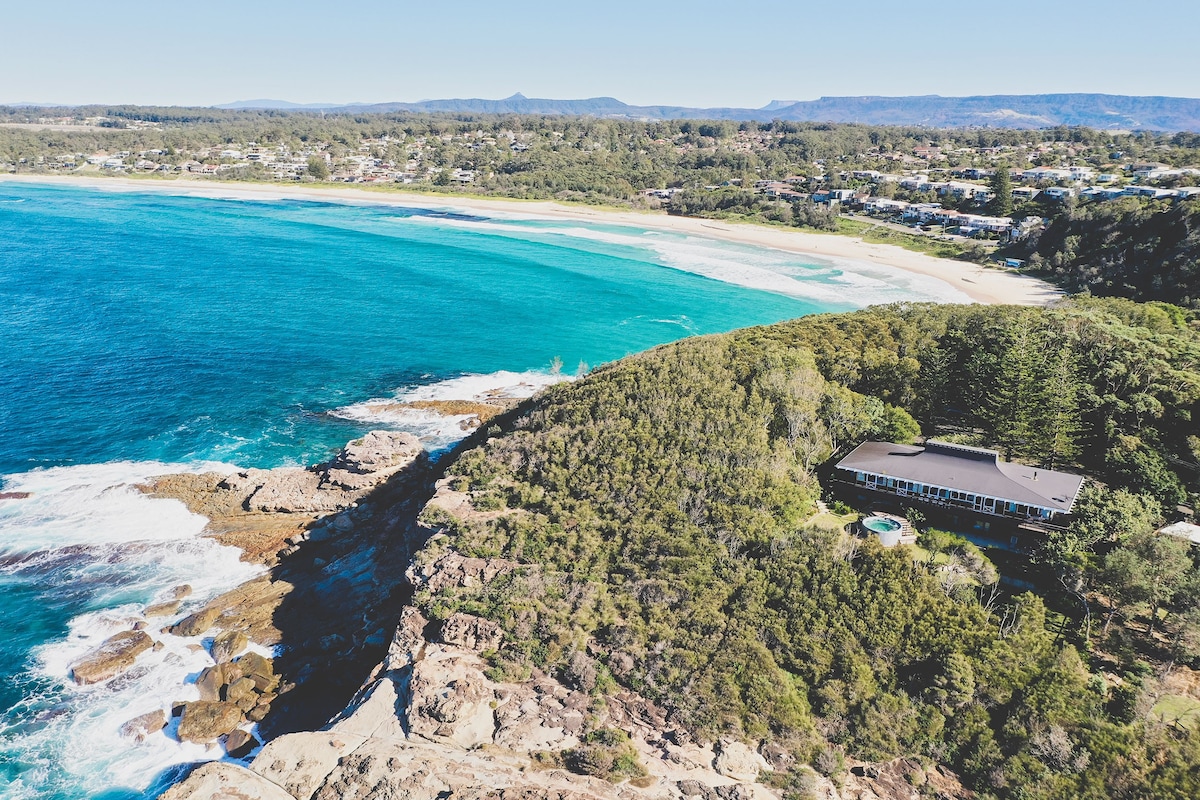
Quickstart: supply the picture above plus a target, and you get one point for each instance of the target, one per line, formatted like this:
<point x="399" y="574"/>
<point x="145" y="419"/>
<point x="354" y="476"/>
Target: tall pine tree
<point x="1001" y="186"/>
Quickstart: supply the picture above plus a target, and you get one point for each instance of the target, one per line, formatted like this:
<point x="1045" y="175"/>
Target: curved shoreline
<point x="988" y="286"/>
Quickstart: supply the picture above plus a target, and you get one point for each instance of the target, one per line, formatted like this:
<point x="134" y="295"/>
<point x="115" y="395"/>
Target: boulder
<point x="204" y="721"/>
<point x="163" y="609"/>
<point x="471" y="633"/>
<point x="227" y="645"/>
<point x="139" y="728"/>
<point x="242" y="694"/>
<point x="779" y="757"/>
<point x="258" y="669"/>
<point x="116" y="655"/>
<point x="196" y="624"/>
<point x="210" y="682"/>
<point x="737" y="761"/>
<point x="221" y="781"/>
<point x="239" y="744"/>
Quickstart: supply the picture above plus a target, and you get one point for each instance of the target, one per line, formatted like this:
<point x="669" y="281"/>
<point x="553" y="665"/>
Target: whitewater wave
<point x="86" y="541"/>
<point x="440" y="431"/>
<point x="828" y="281"/>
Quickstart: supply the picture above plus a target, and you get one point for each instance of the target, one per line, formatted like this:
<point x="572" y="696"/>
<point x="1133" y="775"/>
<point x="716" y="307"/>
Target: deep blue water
<point x="142" y="327"/>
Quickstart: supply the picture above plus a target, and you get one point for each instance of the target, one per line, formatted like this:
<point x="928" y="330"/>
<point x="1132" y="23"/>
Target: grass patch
<point x="923" y="555"/>
<point x="827" y="520"/>
<point x="930" y="245"/>
<point x="1178" y="710"/>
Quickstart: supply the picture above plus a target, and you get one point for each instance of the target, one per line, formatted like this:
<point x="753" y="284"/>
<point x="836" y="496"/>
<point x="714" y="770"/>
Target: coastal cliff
<point x="433" y="717"/>
<point x="429" y="722"/>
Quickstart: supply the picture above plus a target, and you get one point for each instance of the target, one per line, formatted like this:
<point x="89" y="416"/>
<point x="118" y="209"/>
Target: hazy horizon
<point x="696" y="54"/>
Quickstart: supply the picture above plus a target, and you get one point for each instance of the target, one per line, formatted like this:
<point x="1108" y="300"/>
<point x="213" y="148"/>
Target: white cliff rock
<point x="736" y="760"/>
<point x="451" y="700"/>
<point x="300" y="762"/>
<point x="219" y="781"/>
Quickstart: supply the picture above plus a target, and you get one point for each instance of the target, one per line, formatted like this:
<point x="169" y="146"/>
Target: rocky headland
<point x="370" y="698"/>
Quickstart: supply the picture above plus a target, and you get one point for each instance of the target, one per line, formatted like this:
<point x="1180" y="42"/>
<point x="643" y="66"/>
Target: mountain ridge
<point x="1103" y="111"/>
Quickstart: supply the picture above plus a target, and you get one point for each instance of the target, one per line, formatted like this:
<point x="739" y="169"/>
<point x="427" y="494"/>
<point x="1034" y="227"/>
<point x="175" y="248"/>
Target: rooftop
<point x="1183" y="530"/>
<point x="970" y="469"/>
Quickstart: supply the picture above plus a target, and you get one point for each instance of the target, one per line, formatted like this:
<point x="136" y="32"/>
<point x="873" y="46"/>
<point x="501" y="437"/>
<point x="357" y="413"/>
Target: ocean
<point x="143" y="333"/>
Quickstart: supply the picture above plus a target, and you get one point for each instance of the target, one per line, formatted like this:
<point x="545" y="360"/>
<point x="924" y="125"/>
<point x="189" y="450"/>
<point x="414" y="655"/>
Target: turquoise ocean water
<point x="143" y="333"/>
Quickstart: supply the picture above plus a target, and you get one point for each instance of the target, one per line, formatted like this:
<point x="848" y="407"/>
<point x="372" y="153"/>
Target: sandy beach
<point x="984" y="285"/>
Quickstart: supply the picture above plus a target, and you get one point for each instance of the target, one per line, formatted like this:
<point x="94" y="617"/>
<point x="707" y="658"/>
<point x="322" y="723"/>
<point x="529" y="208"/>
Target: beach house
<point x="966" y="482"/>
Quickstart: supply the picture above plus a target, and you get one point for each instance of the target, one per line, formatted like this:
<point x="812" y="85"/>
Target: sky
<point x="697" y="53"/>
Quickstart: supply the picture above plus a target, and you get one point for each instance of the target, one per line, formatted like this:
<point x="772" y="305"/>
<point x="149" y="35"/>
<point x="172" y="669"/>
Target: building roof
<point x="1183" y="530"/>
<point x="970" y="469"/>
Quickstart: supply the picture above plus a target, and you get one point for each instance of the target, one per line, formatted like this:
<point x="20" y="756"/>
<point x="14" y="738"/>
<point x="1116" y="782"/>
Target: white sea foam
<point x="439" y="431"/>
<point x="88" y="538"/>
<point x="838" y="282"/>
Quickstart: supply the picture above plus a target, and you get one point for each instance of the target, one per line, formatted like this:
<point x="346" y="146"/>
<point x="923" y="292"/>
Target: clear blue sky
<point x="697" y="53"/>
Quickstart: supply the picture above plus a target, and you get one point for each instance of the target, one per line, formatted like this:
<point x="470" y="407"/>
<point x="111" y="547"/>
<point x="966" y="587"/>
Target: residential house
<point x="958" y="477"/>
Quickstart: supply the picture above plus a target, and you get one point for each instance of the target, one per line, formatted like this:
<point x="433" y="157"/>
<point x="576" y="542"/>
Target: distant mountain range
<point x="1103" y="111"/>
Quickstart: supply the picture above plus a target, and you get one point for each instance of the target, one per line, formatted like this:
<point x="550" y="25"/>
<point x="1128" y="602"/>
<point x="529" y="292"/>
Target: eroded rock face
<point x="110" y="659"/>
<point x="362" y="465"/>
<point x="541" y="715"/>
<point x="293" y="491"/>
<point x="453" y="570"/>
<point x="452" y="701"/>
<point x="471" y="633"/>
<point x="300" y="762"/>
<point x="408" y="642"/>
<point x="368" y="461"/>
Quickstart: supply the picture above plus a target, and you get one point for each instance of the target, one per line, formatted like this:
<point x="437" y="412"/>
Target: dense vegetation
<point x="660" y="509"/>
<point x="1130" y="247"/>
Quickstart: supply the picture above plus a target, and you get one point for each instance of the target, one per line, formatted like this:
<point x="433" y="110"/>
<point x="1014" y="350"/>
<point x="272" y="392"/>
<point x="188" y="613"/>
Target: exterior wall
<point x="945" y="497"/>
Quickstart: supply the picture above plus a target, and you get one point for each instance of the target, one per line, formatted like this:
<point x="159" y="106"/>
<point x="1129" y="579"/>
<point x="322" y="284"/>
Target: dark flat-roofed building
<point x="957" y="476"/>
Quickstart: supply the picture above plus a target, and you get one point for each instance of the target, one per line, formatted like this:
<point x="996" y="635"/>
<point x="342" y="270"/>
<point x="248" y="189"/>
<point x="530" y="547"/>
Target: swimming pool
<point x="881" y="524"/>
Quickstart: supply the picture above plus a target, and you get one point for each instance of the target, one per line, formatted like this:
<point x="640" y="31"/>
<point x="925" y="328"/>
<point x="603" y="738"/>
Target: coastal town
<point x="928" y="188"/>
